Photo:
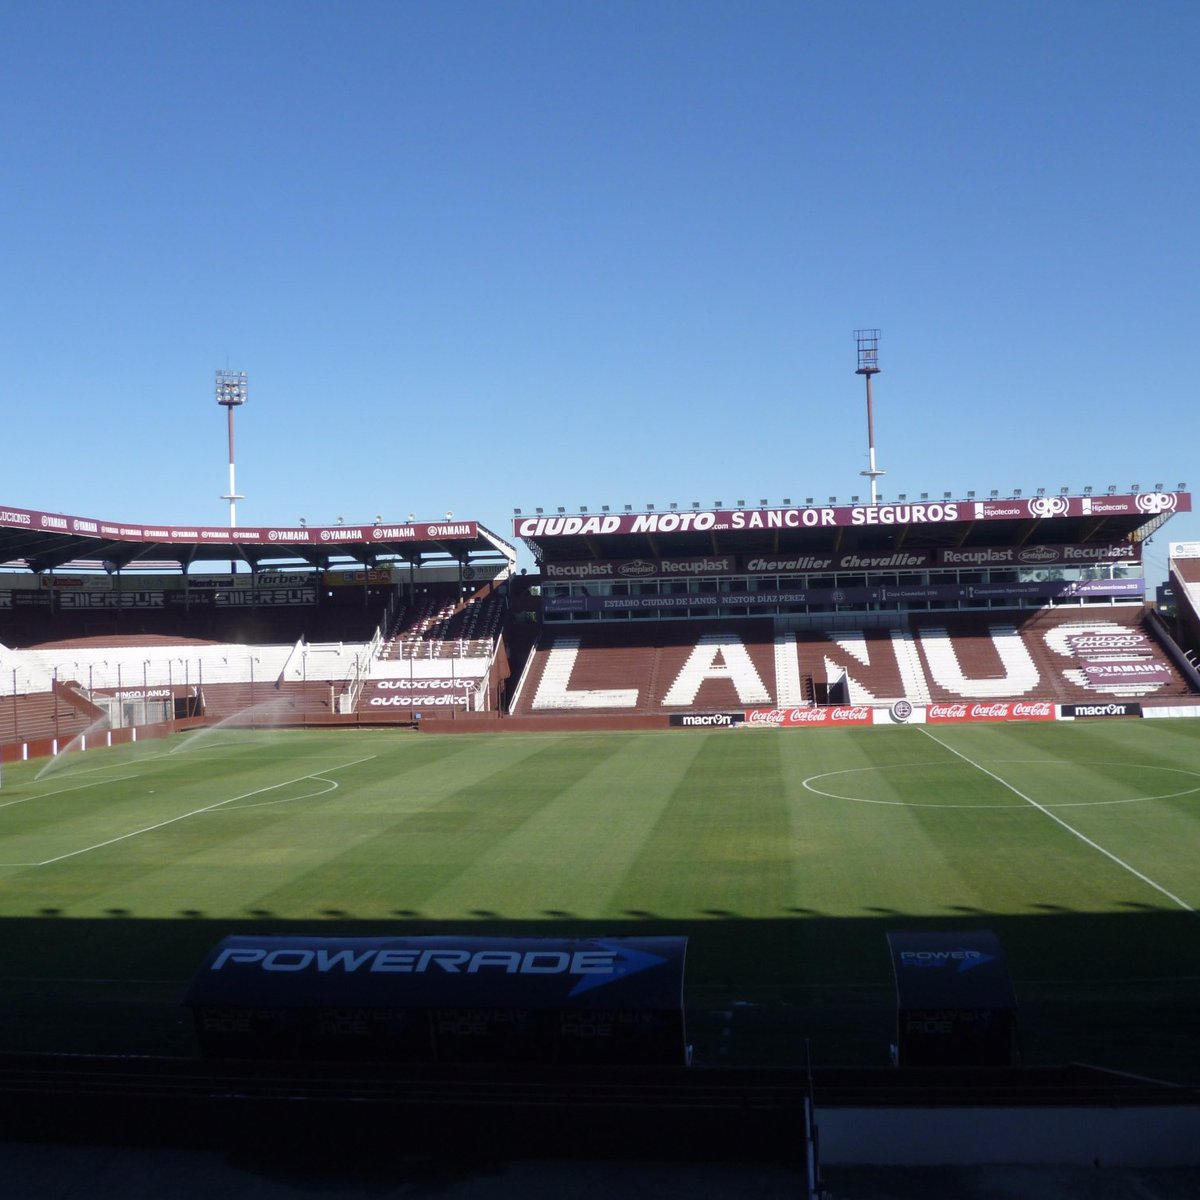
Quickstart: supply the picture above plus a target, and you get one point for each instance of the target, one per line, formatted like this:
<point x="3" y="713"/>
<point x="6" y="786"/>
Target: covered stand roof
<point x="847" y="529"/>
<point x="46" y="541"/>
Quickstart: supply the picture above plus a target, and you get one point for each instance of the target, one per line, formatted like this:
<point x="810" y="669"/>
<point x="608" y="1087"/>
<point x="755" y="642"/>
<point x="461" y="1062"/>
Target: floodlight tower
<point x="868" y="365"/>
<point x="231" y="393"/>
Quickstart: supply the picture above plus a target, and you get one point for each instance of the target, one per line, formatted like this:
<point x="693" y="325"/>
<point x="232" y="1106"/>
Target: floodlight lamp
<point x="674" y="505"/>
<point x="449" y="516"/>
<point x="516" y="512"/>
<point x="341" y="520"/>
<point x="832" y="499"/>
<point x="1112" y="489"/>
<point x="945" y="495"/>
<point x="853" y="499"/>
<point x="1062" y="491"/>
<point x="719" y="503"/>
<point x="924" y="495"/>
<point x="604" y="508"/>
<point x="1158" y="487"/>
<point x="413" y="516"/>
<point x="539" y="511"/>
<point x="695" y="503"/>
<point x="561" y="509"/>
<point x="303" y="523"/>
<point x="787" y="501"/>
<point x="903" y="496"/>
<point x="1041" y="491"/>
<point x="808" y="499"/>
<point x="649" y="506"/>
<point x="994" y="493"/>
<point x="629" y="508"/>
<point x="763" y="503"/>
<point x="1087" y="491"/>
<point x="1135" y="488"/>
<point x="583" y="508"/>
<point x="741" y="504"/>
<point x="971" y="495"/>
<point x="1182" y="486"/>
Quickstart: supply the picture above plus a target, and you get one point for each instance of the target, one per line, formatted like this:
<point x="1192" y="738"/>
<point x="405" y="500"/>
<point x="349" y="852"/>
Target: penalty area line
<point x="197" y="811"/>
<point x="1059" y="821"/>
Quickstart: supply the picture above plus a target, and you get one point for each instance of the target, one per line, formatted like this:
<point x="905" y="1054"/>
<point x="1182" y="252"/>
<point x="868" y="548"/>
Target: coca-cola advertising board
<point x="991" y="710"/>
<point x="788" y="718"/>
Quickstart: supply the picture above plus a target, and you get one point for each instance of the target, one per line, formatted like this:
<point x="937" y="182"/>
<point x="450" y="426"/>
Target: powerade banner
<point x="955" y="1004"/>
<point x="444" y="999"/>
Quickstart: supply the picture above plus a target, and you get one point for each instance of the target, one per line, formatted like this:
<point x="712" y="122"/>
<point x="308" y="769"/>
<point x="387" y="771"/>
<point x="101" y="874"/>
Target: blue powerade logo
<point x="593" y="968"/>
<point x="960" y="960"/>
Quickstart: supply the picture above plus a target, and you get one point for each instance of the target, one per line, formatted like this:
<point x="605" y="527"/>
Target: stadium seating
<point x="939" y="658"/>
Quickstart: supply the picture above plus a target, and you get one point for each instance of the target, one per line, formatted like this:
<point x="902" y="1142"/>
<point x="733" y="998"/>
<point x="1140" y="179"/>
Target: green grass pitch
<point x="784" y="857"/>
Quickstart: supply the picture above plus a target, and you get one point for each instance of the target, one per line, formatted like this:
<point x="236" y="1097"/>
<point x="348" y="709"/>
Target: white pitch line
<point x="197" y="811"/>
<point x="1059" y="821"/>
<point x="79" y="787"/>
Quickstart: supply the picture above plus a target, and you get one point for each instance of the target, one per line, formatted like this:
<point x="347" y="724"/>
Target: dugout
<point x="955" y="1003"/>
<point x="443" y="1000"/>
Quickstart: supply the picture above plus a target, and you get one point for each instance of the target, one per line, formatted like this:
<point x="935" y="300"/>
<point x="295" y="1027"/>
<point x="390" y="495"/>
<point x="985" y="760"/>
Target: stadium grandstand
<point x="955" y="610"/>
<point x="1000" y="609"/>
<point x="108" y="628"/>
<point x="1027" y="608"/>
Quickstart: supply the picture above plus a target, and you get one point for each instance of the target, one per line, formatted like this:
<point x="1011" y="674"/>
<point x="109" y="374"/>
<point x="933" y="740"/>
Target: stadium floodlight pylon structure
<point x="231" y="393"/>
<point x="868" y="365"/>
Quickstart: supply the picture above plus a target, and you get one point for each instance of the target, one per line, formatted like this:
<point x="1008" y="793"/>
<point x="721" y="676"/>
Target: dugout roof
<point x="45" y="541"/>
<point x="844" y="529"/>
<point x="938" y="969"/>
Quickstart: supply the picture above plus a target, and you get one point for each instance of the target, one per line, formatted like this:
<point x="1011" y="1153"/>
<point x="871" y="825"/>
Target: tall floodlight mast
<point x="231" y="393"/>
<point x="868" y="365"/>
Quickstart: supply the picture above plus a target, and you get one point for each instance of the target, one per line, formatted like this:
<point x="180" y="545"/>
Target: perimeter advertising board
<point x="447" y="999"/>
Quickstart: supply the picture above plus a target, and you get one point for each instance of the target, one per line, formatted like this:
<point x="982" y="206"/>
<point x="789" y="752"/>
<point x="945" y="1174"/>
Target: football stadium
<point x="881" y="814"/>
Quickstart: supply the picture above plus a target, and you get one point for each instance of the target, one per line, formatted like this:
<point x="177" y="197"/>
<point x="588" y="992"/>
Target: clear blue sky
<point x="482" y="255"/>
